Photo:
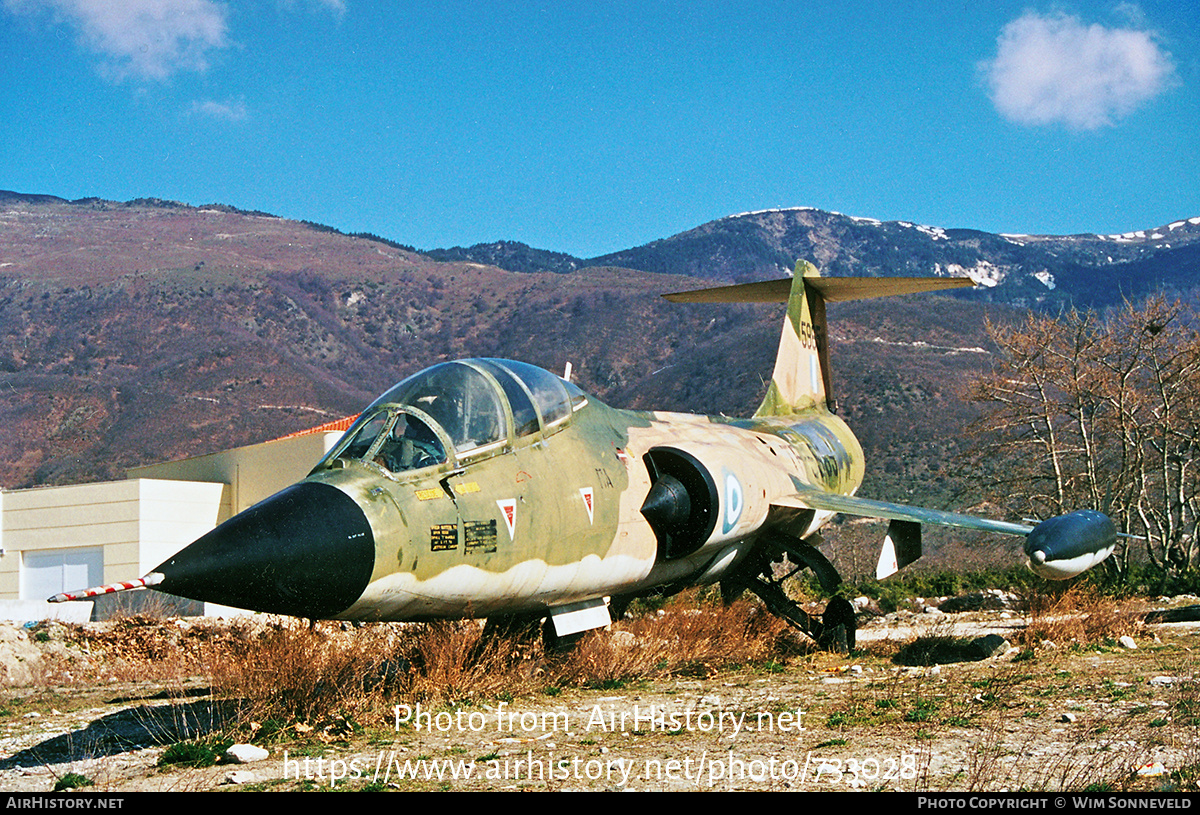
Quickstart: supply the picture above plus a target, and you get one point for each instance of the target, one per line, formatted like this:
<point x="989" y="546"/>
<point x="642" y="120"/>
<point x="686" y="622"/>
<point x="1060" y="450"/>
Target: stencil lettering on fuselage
<point x="828" y="452"/>
<point x="479" y="536"/>
<point x="443" y="537"/>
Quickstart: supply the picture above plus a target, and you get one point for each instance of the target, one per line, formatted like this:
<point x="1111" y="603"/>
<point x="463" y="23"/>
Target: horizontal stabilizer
<point x="832" y="289"/>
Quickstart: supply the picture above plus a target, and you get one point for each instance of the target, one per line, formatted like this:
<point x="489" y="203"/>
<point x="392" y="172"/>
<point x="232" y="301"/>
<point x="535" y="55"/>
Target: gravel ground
<point x="1061" y="719"/>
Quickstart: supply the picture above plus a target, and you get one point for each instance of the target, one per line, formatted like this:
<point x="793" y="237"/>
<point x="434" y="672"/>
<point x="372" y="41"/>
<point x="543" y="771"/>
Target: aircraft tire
<point x="838" y="626"/>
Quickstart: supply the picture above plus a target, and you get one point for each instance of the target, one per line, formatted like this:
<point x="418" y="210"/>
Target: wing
<point x="865" y="507"/>
<point x="1057" y="548"/>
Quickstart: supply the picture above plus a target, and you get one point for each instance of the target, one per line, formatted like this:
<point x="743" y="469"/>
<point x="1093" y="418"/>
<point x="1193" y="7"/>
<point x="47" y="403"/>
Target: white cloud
<point x="151" y="39"/>
<point x="232" y="110"/>
<point x="1053" y="68"/>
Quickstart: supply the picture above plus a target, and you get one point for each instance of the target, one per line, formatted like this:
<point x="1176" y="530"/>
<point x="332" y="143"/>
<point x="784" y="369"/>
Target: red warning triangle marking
<point x="586" y="492"/>
<point x="508" y="508"/>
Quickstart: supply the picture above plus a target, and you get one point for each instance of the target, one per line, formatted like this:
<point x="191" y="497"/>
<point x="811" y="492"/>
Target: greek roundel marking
<point x="733" y="502"/>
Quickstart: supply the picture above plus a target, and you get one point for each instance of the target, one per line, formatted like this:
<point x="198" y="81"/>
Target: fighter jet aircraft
<point x="493" y="488"/>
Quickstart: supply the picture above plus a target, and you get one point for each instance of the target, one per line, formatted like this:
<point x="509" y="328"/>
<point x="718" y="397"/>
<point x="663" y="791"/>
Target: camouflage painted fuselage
<point x="557" y="519"/>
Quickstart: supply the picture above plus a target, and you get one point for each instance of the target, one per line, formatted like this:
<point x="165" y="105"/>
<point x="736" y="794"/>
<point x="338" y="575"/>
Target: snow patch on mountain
<point x="983" y="273"/>
<point x="771" y="211"/>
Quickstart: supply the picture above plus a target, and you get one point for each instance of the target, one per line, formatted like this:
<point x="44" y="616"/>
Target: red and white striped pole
<point x="152" y="579"/>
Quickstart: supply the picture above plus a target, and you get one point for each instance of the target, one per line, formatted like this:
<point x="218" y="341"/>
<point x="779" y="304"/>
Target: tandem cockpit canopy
<point x="463" y="410"/>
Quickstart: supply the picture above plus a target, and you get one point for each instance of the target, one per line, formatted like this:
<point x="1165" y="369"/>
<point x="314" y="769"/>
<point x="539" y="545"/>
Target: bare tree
<point x="1084" y="411"/>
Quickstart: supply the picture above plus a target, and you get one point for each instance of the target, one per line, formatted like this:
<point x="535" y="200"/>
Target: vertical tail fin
<point x="801" y="377"/>
<point x="802" y="380"/>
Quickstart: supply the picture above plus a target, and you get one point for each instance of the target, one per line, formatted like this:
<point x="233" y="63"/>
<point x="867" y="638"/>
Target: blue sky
<point x="592" y="127"/>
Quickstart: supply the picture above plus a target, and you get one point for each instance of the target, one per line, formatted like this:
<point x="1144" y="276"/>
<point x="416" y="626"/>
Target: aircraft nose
<point x="307" y="551"/>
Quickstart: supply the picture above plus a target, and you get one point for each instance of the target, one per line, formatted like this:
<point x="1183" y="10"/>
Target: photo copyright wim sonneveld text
<point x="705" y="770"/>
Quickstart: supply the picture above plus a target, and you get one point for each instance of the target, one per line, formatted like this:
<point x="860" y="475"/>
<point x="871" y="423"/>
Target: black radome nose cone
<point x="307" y="551"/>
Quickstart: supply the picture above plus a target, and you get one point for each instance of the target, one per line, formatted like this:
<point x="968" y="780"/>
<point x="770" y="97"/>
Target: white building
<point x="55" y="539"/>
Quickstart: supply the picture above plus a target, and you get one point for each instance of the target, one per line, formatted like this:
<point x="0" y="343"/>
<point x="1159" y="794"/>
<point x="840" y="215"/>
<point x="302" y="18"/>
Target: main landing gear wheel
<point x="838" y="626"/>
<point x="835" y="630"/>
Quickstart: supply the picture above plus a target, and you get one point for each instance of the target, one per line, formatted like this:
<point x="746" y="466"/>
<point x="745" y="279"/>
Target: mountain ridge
<point x="1085" y="269"/>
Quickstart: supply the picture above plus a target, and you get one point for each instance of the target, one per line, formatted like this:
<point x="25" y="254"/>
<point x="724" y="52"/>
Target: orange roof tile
<point x="337" y="425"/>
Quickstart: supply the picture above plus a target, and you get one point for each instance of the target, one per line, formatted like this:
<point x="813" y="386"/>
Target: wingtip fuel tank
<point x="1068" y="545"/>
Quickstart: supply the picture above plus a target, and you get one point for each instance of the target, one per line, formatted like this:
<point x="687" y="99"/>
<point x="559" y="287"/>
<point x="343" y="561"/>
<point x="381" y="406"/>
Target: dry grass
<point x="289" y="672"/>
<point x="453" y="661"/>
<point x="302" y="677"/>
<point x="1080" y="616"/>
<point x="997" y="724"/>
<point x="138" y="648"/>
<point x="679" y="641"/>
